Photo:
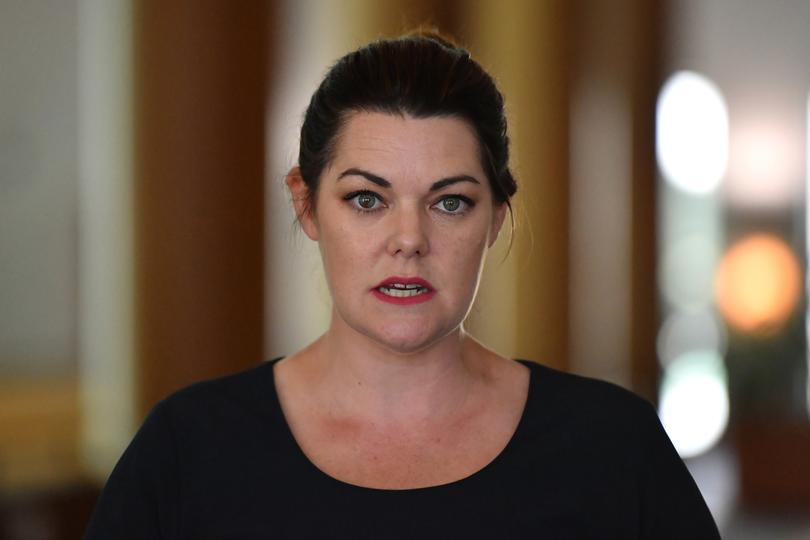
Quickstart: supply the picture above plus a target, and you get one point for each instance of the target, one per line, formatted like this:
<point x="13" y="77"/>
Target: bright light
<point x="765" y="167"/>
<point x="758" y="284"/>
<point x="694" y="404"/>
<point x="692" y="133"/>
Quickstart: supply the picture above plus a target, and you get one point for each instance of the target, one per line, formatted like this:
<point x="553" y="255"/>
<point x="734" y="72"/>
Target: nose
<point x="408" y="236"/>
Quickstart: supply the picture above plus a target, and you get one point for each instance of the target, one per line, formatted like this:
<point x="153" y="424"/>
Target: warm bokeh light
<point x="692" y="133"/>
<point x="758" y="284"/>
<point x="694" y="406"/>
<point x="765" y="164"/>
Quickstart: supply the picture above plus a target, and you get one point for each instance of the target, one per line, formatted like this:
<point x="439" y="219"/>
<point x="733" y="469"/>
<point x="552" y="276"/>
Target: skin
<point x="396" y="396"/>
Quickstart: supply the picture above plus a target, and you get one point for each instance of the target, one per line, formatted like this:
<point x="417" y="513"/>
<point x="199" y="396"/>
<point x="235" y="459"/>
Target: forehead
<point x="394" y="145"/>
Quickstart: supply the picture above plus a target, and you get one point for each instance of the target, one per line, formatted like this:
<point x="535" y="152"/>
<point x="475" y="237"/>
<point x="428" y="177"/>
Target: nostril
<point x="408" y="244"/>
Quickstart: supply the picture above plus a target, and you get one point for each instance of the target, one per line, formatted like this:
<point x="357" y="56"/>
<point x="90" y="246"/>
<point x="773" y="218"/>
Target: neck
<point x="364" y="379"/>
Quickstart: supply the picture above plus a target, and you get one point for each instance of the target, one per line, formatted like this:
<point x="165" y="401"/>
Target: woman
<point x="396" y="423"/>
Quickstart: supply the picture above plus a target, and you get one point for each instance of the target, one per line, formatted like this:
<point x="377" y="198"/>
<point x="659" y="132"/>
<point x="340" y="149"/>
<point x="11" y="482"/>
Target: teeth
<point x="403" y="286"/>
<point x="402" y="293"/>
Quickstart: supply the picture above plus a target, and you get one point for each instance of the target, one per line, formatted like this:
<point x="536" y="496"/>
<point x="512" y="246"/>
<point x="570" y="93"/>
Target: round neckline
<point x="313" y="469"/>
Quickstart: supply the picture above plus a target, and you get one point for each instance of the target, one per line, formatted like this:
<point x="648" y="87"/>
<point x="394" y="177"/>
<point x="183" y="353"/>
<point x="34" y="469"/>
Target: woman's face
<point x="404" y="216"/>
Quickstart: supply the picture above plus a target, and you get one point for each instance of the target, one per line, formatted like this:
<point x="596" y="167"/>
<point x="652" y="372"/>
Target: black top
<point x="217" y="460"/>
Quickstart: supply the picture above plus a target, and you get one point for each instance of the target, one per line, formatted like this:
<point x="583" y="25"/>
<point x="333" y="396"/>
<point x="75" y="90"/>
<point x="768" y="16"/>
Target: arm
<point x="672" y="506"/>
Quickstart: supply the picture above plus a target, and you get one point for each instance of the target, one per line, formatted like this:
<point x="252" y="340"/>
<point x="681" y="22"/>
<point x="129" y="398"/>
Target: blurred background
<point x="146" y="241"/>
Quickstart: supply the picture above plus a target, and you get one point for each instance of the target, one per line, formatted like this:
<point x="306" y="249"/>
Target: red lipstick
<point x="404" y="291"/>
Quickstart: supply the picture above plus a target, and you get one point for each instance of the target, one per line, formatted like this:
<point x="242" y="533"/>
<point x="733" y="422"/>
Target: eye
<point x="454" y="204"/>
<point x="364" y="201"/>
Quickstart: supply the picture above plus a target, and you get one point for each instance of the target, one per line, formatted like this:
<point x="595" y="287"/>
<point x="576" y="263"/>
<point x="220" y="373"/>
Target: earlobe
<point x="498" y="217"/>
<point x="302" y="202"/>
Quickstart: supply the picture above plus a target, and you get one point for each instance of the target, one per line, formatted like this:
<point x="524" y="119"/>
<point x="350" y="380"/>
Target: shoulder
<point x="245" y="388"/>
<point x="214" y="433"/>
<point x="222" y="404"/>
<point x="588" y="410"/>
<point x="584" y="394"/>
<point x="583" y="431"/>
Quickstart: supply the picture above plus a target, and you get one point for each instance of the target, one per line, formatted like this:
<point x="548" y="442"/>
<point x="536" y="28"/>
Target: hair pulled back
<point x="421" y="75"/>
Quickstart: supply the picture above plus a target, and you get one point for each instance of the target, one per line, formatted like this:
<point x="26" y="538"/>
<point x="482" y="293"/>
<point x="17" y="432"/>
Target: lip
<point x="409" y="300"/>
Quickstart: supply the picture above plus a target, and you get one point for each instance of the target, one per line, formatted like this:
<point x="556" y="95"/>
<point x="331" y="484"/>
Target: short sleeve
<point x="140" y="498"/>
<point x="672" y="505"/>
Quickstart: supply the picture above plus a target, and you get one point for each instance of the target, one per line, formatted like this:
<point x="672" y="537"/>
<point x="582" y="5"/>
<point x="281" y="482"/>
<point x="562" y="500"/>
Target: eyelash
<point x="360" y="210"/>
<point x="467" y="202"/>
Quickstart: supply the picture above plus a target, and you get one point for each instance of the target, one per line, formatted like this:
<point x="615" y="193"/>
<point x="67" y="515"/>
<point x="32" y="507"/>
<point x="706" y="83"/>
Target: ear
<point x="498" y="217"/>
<point x="302" y="202"/>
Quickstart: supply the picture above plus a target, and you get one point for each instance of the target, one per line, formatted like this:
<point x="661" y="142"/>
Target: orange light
<point x="758" y="284"/>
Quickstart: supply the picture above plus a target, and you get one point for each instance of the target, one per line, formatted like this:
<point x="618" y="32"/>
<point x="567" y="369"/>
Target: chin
<point x="406" y="340"/>
<point x="401" y="335"/>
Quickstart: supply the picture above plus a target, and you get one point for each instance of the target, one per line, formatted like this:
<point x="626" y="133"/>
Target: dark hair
<point x="421" y="74"/>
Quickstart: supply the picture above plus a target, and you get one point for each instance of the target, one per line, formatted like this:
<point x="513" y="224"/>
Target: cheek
<point x="463" y="254"/>
<point x="343" y="251"/>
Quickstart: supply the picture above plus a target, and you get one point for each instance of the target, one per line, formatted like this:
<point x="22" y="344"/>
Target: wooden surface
<point x="200" y="99"/>
<point x="39" y="427"/>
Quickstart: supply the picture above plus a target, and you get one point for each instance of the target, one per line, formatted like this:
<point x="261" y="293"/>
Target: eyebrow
<point x="382" y="182"/>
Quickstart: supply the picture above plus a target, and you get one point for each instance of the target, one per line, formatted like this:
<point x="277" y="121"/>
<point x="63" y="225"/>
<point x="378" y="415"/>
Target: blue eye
<point x="364" y="201"/>
<point x="454" y="204"/>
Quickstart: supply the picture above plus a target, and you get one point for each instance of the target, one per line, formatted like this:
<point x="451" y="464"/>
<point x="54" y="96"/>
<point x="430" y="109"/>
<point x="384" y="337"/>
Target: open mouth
<point x="401" y="290"/>
<point x="404" y="291"/>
